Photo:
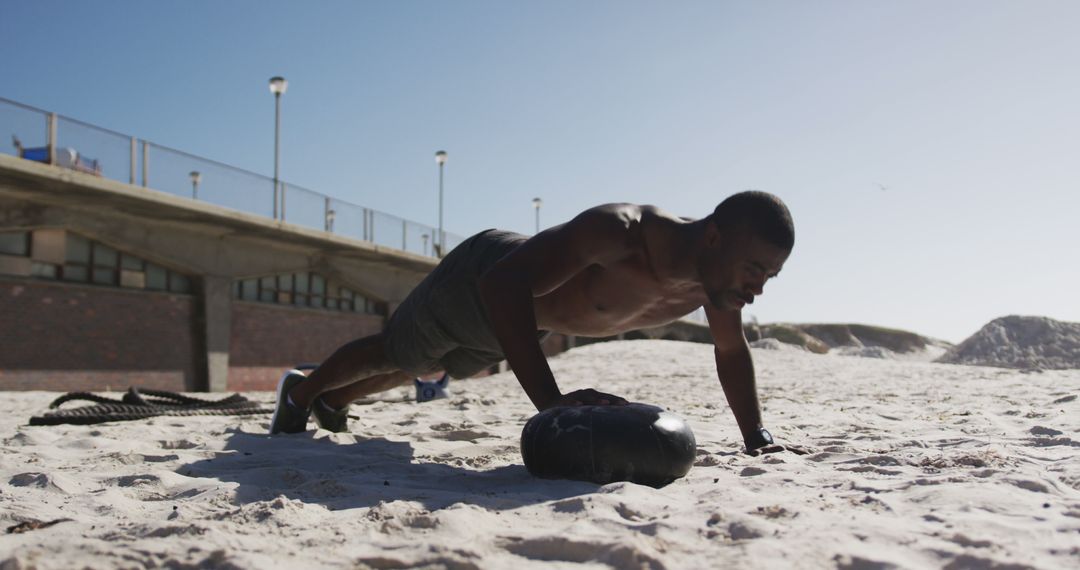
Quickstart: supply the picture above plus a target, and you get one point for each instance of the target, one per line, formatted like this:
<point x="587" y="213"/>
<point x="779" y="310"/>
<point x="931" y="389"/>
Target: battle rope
<point x="140" y="404"/>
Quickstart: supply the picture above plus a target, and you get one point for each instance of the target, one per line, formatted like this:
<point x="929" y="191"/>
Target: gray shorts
<point x="443" y="324"/>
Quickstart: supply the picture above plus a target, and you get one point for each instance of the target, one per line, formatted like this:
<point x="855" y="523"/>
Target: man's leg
<point x="354" y="363"/>
<point x="346" y="395"/>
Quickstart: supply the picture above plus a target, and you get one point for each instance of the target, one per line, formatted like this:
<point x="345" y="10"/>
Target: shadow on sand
<point x="344" y="471"/>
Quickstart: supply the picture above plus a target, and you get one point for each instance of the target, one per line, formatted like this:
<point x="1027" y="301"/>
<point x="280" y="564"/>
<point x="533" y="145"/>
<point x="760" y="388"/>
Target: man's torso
<point x="630" y="293"/>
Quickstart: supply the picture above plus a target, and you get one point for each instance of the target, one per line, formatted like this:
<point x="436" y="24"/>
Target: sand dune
<point x="1021" y="342"/>
<point x="910" y="465"/>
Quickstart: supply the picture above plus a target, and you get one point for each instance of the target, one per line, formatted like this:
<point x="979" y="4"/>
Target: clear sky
<point x="929" y="150"/>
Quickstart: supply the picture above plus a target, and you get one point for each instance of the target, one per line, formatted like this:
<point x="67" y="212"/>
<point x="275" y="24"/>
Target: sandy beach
<point x="910" y="465"/>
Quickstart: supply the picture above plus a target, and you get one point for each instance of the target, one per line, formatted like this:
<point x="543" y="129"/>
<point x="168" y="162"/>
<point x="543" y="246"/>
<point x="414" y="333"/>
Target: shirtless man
<point x="611" y="269"/>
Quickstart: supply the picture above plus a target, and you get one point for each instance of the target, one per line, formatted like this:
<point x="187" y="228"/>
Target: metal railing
<point x="54" y="139"/>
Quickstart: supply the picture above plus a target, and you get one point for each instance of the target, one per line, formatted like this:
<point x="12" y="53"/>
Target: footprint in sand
<point x="962" y="460"/>
<point x="874" y="464"/>
<point x="706" y="459"/>
<point x="575" y="505"/>
<point x="45" y="481"/>
<point x="137" y="480"/>
<point x="324" y="489"/>
<point x="132" y="458"/>
<point x="875" y="504"/>
<point x="966" y="542"/>
<point x="970" y="561"/>
<point x="775" y="512"/>
<point x="1047" y="437"/>
<point x="844" y="562"/>
<point x="871" y="469"/>
<point x="420" y="521"/>
<point x="177" y="444"/>
<point x="474" y="456"/>
<point x="457" y="558"/>
<point x="629" y="513"/>
<point x="293" y="477"/>
<point x="462" y="432"/>
<point x="1072" y="481"/>
<point x="1029" y="485"/>
<point x="832" y="455"/>
<point x="881" y="461"/>
<point x="562" y="549"/>
<point x="739" y="530"/>
<point x="1058" y="441"/>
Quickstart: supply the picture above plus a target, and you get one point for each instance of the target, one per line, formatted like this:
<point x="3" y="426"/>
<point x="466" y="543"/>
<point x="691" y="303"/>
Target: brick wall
<point x="63" y="337"/>
<point x="268" y="339"/>
<point x="57" y="336"/>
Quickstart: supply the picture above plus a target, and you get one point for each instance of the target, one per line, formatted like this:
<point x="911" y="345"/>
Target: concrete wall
<point x="59" y="336"/>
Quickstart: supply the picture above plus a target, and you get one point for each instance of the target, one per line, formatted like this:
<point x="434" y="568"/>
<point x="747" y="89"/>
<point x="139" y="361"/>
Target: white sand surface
<point x="911" y="465"/>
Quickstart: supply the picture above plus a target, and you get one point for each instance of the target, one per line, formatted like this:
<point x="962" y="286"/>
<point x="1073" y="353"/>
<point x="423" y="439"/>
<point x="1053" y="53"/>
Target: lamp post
<point x="196" y="178"/>
<point x="537" y="202"/>
<point x="440" y="159"/>
<point x="425" y="238"/>
<point x="278" y="85"/>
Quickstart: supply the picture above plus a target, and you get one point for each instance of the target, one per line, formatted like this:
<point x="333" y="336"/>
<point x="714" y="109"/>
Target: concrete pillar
<point x="217" y="326"/>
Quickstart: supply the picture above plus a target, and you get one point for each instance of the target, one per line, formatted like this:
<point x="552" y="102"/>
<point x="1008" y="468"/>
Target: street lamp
<point x="278" y="85"/>
<point x="425" y="238"/>
<point x="440" y="159"/>
<point x="196" y="178"/>
<point x="537" y="202"/>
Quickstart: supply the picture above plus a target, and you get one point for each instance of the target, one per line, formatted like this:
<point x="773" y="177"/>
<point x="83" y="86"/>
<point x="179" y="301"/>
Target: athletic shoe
<point x="287" y="417"/>
<point x="330" y="419"/>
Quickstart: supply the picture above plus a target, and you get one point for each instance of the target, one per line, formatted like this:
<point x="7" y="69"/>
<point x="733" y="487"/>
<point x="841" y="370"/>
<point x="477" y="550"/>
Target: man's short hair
<point x="763" y="214"/>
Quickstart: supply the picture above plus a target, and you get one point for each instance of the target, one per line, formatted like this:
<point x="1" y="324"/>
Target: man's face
<point x="734" y="267"/>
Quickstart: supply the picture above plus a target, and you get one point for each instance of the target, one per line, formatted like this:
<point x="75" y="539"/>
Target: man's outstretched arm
<point x="508" y="297"/>
<point x="539" y="266"/>
<point x="735" y="369"/>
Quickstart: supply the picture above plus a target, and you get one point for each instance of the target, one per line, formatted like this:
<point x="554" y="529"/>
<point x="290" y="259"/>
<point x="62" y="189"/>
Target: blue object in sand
<point x="432" y="389"/>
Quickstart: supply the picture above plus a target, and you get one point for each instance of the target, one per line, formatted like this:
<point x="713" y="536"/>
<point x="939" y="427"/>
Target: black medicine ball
<point x="637" y="442"/>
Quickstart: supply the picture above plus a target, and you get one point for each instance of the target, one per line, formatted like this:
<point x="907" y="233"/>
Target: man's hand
<point x="586" y="397"/>
<point x="757" y="439"/>
<point x="760" y="442"/>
